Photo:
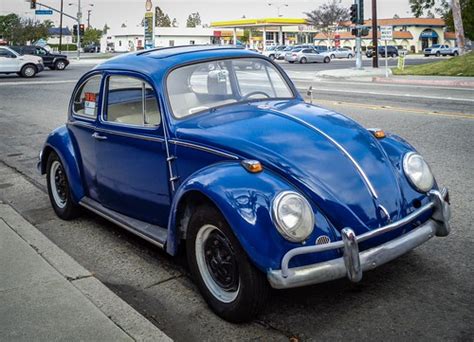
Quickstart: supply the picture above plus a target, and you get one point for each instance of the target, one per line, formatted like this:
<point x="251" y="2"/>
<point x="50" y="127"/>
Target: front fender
<point x="245" y="200"/>
<point x="60" y="142"/>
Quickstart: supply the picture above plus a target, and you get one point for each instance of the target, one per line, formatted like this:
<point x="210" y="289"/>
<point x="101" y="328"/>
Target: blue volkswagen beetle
<point x="213" y="150"/>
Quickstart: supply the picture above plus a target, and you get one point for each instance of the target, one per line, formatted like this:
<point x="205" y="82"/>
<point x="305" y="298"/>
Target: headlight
<point x="293" y="216"/>
<point x="418" y="172"/>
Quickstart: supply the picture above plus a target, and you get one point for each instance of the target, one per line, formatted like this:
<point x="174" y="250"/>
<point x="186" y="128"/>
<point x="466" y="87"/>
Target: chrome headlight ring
<point x="418" y="172"/>
<point x="293" y="216"/>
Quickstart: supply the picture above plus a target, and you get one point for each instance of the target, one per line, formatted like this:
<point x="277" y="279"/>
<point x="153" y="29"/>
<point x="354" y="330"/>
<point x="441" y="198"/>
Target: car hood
<point x="328" y="156"/>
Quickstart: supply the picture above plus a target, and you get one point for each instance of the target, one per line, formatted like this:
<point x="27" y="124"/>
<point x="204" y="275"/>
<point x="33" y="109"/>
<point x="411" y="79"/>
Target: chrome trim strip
<point x="203" y="148"/>
<point x="340" y="244"/>
<point x="369" y="259"/>
<point x="121" y="224"/>
<point x="120" y="133"/>
<point x="342" y="149"/>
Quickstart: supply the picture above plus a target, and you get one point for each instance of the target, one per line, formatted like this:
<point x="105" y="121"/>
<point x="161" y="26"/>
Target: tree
<point x="467" y="9"/>
<point x="194" y="19"/>
<point x="10" y="27"/>
<point x="328" y="16"/>
<point x="418" y="7"/>
<point x="92" y="36"/>
<point x="161" y="19"/>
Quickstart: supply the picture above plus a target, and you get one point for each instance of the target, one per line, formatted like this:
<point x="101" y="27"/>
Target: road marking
<point x="388" y="95"/>
<point x="395" y="109"/>
<point x="36" y="82"/>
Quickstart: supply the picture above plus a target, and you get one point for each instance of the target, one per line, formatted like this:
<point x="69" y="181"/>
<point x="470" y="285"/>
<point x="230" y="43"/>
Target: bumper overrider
<point x="354" y="263"/>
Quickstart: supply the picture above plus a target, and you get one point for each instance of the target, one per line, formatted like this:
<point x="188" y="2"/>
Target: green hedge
<point x="65" y="47"/>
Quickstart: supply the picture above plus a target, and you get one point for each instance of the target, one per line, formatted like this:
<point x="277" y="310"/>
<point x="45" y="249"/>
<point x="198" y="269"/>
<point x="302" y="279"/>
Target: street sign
<point x="386" y="33"/>
<point x="44" y="12"/>
<point x="149" y="34"/>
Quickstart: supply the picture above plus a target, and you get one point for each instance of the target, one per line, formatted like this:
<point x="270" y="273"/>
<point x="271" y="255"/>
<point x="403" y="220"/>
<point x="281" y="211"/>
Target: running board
<point x="154" y="234"/>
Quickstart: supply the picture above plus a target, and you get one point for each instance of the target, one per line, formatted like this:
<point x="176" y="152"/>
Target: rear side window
<point x="86" y="99"/>
<point x="131" y="101"/>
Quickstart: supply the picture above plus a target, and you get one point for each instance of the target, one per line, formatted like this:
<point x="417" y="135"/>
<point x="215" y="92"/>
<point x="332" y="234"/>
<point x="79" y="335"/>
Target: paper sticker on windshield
<point x="90" y="103"/>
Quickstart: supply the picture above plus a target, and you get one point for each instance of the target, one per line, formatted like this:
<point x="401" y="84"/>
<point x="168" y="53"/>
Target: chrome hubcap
<point x="29" y="71"/>
<point x="58" y="184"/>
<point x="217" y="263"/>
<point x="60" y="65"/>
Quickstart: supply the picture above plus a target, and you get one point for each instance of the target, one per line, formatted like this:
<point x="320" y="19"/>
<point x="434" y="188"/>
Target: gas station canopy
<point x="240" y="23"/>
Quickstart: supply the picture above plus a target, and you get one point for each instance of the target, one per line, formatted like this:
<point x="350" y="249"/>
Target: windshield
<point x="436" y="46"/>
<point x="203" y="86"/>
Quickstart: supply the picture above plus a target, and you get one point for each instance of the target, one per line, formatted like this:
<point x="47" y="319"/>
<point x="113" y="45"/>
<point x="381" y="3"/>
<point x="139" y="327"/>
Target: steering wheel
<point x="258" y="92"/>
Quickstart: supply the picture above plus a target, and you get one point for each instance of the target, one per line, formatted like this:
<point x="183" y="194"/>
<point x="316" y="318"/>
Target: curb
<point x="445" y="83"/>
<point x="117" y="310"/>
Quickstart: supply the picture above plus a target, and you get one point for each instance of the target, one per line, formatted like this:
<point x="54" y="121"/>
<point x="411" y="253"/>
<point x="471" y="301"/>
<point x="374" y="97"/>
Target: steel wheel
<point x="58" y="184"/>
<point x="217" y="263"/>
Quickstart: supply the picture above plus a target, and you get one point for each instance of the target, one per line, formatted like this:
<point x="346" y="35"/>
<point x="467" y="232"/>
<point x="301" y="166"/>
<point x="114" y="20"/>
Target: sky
<point x="130" y="12"/>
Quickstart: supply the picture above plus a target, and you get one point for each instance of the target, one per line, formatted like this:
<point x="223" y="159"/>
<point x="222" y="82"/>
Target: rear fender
<point x="245" y="200"/>
<point x="60" y="141"/>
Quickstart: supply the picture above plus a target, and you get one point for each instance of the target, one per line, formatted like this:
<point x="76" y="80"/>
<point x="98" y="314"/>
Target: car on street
<point x="92" y="48"/>
<point x="441" y="50"/>
<point x="307" y="55"/>
<point x="272" y="51"/>
<point x="261" y="189"/>
<point x="392" y="51"/>
<point x="341" y="53"/>
<point x="53" y="61"/>
<point x="281" y="54"/>
<point x="25" y="66"/>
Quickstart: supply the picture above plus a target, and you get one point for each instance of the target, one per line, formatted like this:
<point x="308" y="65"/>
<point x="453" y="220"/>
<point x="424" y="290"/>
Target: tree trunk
<point x="458" y="27"/>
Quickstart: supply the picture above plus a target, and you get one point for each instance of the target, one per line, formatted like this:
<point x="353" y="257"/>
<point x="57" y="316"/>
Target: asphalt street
<point x="425" y="295"/>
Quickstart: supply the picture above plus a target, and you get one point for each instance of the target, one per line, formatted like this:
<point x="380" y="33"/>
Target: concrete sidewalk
<point x="45" y="295"/>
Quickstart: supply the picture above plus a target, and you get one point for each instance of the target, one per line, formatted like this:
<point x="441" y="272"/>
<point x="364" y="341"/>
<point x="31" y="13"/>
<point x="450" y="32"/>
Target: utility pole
<point x="79" y="15"/>
<point x="458" y="26"/>
<point x="375" y="57"/>
<point x="61" y="27"/>
<point x="89" y="19"/>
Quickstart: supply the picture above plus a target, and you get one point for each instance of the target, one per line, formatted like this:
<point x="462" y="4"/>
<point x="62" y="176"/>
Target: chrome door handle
<point x="98" y="136"/>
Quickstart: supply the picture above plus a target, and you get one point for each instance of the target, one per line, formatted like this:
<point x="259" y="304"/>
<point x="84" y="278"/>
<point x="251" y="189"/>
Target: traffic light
<point x="354" y="14"/>
<point x="364" y="32"/>
<point x="32" y="4"/>
<point x="354" y="32"/>
<point x="81" y="29"/>
<point x="74" y="30"/>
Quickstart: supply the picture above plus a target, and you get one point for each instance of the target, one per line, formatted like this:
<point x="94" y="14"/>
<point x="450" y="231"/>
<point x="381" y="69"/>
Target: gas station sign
<point x="149" y="31"/>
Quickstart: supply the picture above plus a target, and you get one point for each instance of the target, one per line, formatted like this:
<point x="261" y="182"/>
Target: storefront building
<point x="412" y="34"/>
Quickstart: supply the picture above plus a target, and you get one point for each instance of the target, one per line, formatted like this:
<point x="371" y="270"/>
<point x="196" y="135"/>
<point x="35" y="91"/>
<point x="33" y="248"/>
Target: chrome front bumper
<point x="353" y="263"/>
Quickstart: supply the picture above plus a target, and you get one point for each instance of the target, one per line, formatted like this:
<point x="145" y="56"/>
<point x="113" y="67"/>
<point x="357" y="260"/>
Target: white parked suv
<point x="24" y="65"/>
<point x="438" y="50"/>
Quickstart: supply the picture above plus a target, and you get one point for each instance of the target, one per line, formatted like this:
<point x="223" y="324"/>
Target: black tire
<point x="28" y="71"/>
<point x="60" y="64"/>
<point x="272" y="57"/>
<point x="327" y="60"/>
<point x="333" y="56"/>
<point x="62" y="203"/>
<point x="303" y="60"/>
<point x="51" y="67"/>
<point x="438" y="54"/>
<point x="245" y="297"/>
<point x="291" y="62"/>
<point x="349" y="56"/>
<point x="455" y="53"/>
<point x="427" y="55"/>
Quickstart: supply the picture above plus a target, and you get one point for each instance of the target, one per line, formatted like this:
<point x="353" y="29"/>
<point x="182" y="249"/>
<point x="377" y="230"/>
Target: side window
<point x="131" y="101"/>
<point x="40" y="51"/>
<point x="86" y="99"/>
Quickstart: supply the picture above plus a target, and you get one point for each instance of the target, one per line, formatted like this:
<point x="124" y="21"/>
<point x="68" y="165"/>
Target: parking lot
<point x="424" y="295"/>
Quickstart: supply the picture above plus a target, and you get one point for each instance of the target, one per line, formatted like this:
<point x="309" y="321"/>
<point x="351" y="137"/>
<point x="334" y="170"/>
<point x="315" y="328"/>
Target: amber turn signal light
<point x="378" y="133"/>
<point x="252" y="166"/>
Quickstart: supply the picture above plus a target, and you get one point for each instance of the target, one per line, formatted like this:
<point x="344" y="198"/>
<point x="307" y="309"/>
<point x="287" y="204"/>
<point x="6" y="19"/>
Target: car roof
<point x="157" y="62"/>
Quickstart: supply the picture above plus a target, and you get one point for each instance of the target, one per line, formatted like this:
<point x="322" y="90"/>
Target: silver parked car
<point x="306" y="55"/>
<point x="341" y="53"/>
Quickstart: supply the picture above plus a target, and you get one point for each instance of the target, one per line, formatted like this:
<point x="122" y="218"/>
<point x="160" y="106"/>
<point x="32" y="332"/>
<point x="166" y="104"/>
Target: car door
<point x="47" y="58"/>
<point x="9" y="62"/>
<point x="85" y="108"/>
<point x="132" y="169"/>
